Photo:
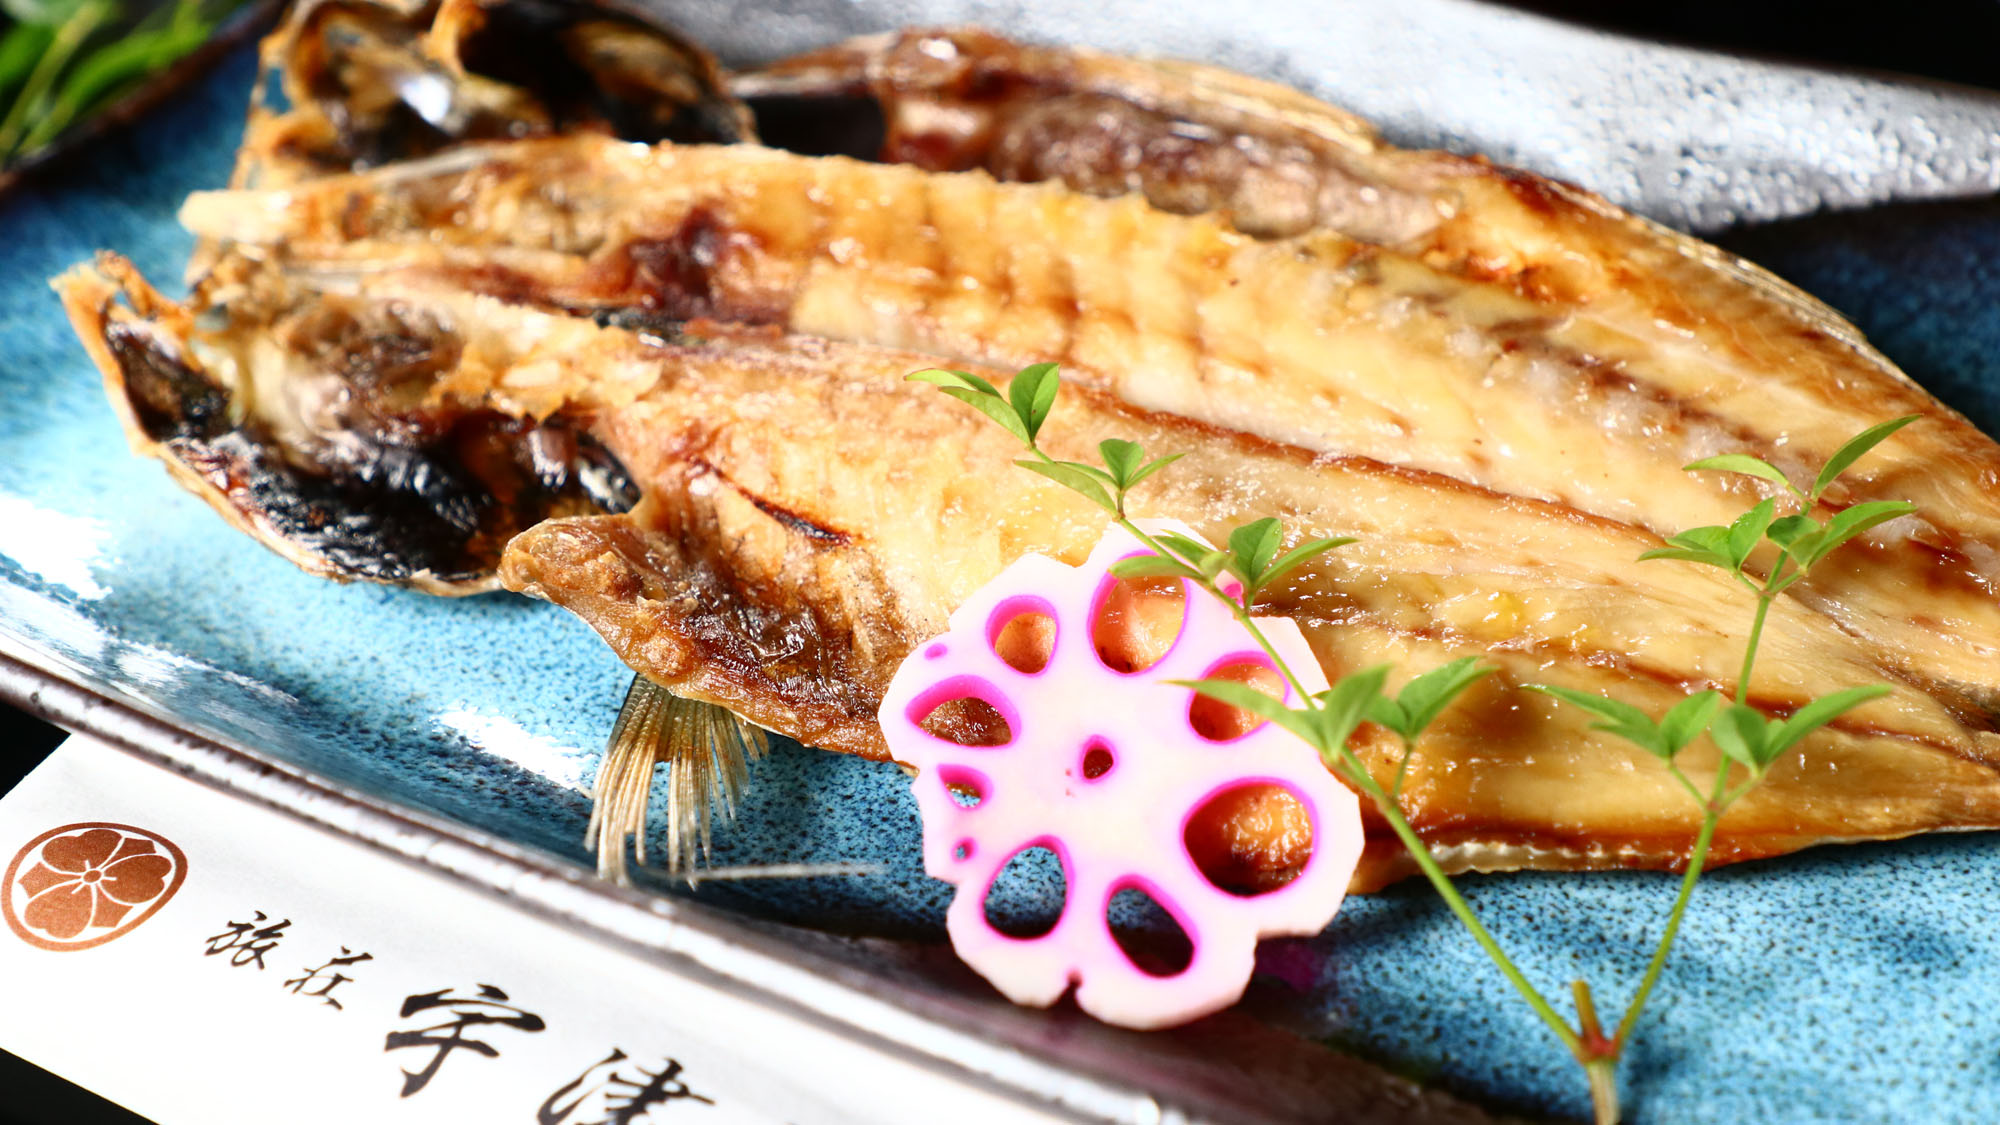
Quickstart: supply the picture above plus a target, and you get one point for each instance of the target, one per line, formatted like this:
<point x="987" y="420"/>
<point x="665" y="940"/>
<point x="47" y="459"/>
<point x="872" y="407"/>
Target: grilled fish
<point x="1478" y="361"/>
<point x="781" y="568"/>
<point x="362" y="83"/>
<point x="1318" y="342"/>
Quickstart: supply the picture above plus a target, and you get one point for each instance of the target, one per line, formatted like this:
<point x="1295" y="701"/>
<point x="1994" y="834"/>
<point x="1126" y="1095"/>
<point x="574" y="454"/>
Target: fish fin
<point x="707" y="749"/>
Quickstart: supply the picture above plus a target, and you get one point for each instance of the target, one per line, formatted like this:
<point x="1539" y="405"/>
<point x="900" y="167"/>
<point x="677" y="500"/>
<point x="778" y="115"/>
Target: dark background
<point x="1954" y="40"/>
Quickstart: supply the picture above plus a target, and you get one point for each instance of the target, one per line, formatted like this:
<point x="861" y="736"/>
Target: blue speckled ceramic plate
<point x="1845" y="984"/>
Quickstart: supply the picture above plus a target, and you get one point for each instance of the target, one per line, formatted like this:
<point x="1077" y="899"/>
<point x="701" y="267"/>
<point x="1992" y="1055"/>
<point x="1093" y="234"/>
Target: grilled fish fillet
<point x="1319" y="342"/>
<point x="809" y="517"/>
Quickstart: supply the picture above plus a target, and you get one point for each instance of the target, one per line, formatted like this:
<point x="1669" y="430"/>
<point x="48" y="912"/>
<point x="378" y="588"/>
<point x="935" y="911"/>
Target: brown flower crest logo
<point x="85" y="884"/>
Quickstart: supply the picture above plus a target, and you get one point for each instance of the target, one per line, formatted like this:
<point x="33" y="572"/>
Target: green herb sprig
<point x="1252" y="561"/>
<point x="1747" y="737"/>
<point x="1236" y="575"/>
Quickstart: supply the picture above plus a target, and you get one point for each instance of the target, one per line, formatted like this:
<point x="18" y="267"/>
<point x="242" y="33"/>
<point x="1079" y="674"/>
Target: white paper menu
<point x="203" y="960"/>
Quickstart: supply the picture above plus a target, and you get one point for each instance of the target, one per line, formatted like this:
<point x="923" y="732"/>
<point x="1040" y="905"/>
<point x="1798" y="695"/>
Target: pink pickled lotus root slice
<point x="1125" y="828"/>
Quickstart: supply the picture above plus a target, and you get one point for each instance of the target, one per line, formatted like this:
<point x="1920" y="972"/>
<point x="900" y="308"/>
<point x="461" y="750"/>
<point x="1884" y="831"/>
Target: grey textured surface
<point x="1698" y="140"/>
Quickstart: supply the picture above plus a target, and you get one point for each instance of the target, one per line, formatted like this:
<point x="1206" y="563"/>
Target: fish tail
<point x="708" y="752"/>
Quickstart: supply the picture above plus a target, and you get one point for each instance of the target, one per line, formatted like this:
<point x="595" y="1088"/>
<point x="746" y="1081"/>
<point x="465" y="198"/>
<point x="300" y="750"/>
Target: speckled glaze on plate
<point x="1840" y="985"/>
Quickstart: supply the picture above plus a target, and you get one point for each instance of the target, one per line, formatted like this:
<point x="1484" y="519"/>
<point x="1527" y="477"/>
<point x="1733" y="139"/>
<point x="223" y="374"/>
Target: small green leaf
<point x="1787" y="530"/>
<point x="1742" y="463"/>
<point x="1618" y="717"/>
<point x="1856" y="447"/>
<point x="1389" y="713"/>
<point x="1091" y="471"/>
<point x="1155" y="467"/>
<point x="1426" y="696"/>
<point x="1708" y="558"/>
<point x="1238" y="694"/>
<point x="1685" y="721"/>
<point x="1714" y="540"/>
<point x="1300" y="555"/>
<point x="1741" y="731"/>
<point x="1212" y="564"/>
<point x="1254" y="545"/>
<point x="938" y="376"/>
<point x="1033" y="395"/>
<point x="1072" y="477"/>
<point x="1855" y="520"/>
<point x="1604" y="707"/>
<point x="1190" y="549"/>
<point x="1709" y="545"/>
<point x="979" y="394"/>
<point x="1122" y="457"/>
<point x="1345" y="704"/>
<point x="1748" y="531"/>
<point x="1151" y="566"/>
<point x="1815" y="715"/>
<point x="1798" y="535"/>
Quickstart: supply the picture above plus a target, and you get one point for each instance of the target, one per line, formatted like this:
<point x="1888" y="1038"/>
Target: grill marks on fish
<point x="168" y="400"/>
<point x="1508" y="779"/>
<point x="845" y="271"/>
<point x="1316" y="341"/>
<point x="790" y="519"/>
<point x="781" y="569"/>
<point x="1196" y="138"/>
<point x="762" y="244"/>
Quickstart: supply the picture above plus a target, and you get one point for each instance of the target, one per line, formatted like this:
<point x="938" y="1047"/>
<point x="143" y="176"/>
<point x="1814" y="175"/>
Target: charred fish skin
<point x="391" y="488"/>
<point x="1317" y="341"/>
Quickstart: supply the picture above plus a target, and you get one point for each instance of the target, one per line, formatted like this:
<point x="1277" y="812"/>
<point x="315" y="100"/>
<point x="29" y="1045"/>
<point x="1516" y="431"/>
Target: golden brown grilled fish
<point x="809" y="516"/>
<point x="1433" y="311"/>
<point x="1317" y="341"/>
